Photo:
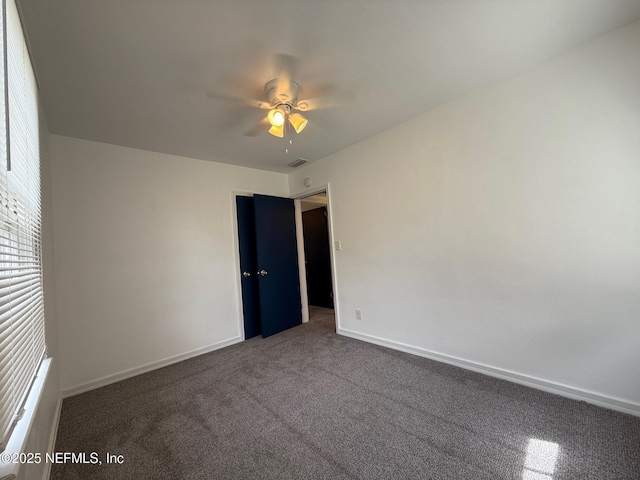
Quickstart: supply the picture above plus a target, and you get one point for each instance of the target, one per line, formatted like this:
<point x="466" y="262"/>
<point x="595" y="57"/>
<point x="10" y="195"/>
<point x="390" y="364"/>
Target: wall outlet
<point x="358" y="314"/>
<point x="338" y="245"/>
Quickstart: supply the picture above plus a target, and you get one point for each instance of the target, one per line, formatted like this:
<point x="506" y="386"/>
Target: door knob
<point x="262" y="272"/>
<point x="246" y="274"/>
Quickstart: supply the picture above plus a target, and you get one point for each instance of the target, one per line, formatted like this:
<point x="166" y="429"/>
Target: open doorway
<point x="317" y="260"/>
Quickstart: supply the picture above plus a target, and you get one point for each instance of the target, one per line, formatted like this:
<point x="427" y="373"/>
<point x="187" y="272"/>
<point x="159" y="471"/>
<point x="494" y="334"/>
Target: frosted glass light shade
<point x="276" y="117"/>
<point x="298" y="122"/>
<point x="277" y="131"/>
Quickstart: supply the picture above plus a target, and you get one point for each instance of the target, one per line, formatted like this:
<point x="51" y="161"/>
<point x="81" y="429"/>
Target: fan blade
<point x="328" y="101"/>
<point x="285" y="69"/>
<point x="259" y="128"/>
<point x="251" y="102"/>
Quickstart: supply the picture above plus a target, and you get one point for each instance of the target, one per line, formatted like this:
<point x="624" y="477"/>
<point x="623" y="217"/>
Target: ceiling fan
<point x="282" y="102"/>
<point x="282" y="96"/>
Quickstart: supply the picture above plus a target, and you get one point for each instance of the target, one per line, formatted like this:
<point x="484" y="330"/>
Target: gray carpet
<point x="310" y="404"/>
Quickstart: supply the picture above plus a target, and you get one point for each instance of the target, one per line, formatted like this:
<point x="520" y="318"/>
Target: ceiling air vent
<point x="298" y="162"/>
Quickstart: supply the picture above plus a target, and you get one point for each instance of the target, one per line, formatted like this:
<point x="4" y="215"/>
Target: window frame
<point x="25" y="373"/>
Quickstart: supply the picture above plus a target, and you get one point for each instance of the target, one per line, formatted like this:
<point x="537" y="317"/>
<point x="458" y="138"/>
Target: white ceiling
<point x="136" y="72"/>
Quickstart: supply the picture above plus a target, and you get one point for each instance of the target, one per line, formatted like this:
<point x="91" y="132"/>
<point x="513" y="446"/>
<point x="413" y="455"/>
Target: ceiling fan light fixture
<point x="276" y="117"/>
<point x="277" y="131"/>
<point x="298" y="122"/>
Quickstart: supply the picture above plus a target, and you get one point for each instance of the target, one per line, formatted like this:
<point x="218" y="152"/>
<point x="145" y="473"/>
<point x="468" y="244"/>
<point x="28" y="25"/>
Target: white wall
<point x="145" y="257"/>
<point x="503" y="229"/>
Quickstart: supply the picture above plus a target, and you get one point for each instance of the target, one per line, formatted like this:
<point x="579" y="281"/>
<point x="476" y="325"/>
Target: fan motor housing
<point x="279" y="94"/>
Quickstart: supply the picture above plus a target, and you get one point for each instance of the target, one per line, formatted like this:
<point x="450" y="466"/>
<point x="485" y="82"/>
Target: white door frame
<point x="301" y="265"/>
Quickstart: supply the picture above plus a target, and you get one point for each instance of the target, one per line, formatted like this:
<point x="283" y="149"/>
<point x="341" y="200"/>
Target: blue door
<point x="277" y="264"/>
<point x="268" y="264"/>
<point x="249" y="279"/>
<point x="318" y="257"/>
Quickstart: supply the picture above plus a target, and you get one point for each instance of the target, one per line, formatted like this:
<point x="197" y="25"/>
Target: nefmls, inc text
<point x="92" y="458"/>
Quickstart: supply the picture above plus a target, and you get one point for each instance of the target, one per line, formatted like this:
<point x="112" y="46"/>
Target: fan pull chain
<point x="287" y="128"/>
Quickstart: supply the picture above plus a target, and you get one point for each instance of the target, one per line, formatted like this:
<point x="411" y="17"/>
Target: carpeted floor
<point x="310" y="404"/>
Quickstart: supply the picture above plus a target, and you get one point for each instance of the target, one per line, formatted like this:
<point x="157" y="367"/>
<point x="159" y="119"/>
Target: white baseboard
<point x="132" y="372"/>
<point x="52" y="438"/>
<point x="533" y="382"/>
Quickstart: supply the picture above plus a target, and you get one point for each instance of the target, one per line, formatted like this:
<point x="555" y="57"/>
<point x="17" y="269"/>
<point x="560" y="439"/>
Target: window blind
<point x="22" y="341"/>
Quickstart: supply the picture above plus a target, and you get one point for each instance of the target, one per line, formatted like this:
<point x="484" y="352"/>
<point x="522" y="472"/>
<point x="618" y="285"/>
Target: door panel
<point x="277" y="258"/>
<point x="318" y="257"/>
<point x="247" y="246"/>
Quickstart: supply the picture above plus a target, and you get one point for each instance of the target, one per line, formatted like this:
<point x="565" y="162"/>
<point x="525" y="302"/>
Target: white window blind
<point x="22" y="343"/>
